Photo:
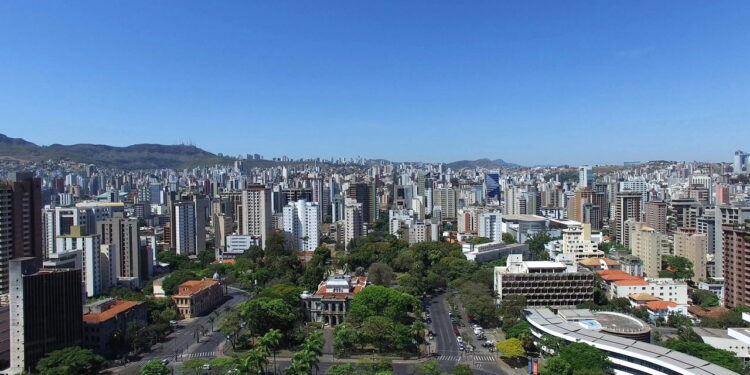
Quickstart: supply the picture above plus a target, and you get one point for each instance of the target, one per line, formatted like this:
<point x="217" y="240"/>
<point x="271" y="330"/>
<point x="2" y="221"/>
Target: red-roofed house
<point x="197" y="297"/>
<point x="102" y="319"/>
<point x="330" y="302"/>
<point x="662" y="309"/>
<point x="619" y="284"/>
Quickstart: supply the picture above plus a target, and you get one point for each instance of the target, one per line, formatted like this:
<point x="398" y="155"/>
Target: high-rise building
<point x="492" y="186"/>
<point x="656" y="215"/>
<point x="741" y="165"/>
<point x="188" y="227"/>
<point x="89" y="247"/>
<point x="722" y="194"/>
<point x="686" y="212"/>
<point x="576" y="240"/>
<point x="256" y="212"/>
<point x="627" y="206"/>
<point x="692" y="245"/>
<point x="587" y="207"/>
<point x="121" y="234"/>
<point x="363" y="193"/>
<point x="490" y="226"/>
<point x="726" y="216"/>
<point x="736" y="245"/>
<point x="353" y="222"/>
<point x="20" y="221"/>
<point x="301" y="225"/>
<point x="46" y="307"/>
<point x="585" y="176"/>
<point x="446" y="199"/>
<point x="648" y="245"/>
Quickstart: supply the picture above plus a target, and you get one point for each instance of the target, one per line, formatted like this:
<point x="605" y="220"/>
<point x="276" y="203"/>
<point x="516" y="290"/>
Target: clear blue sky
<point x="536" y="82"/>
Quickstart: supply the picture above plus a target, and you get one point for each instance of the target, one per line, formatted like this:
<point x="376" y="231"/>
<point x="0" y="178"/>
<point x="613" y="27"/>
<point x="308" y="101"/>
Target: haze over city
<point x="532" y="83"/>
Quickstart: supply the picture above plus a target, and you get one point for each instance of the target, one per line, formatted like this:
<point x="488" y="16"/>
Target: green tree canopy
<point x="264" y="313"/>
<point x="154" y="367"/>
<point x="381" y="301"/>
<point x="707" y="352"/>
<point x="70" y="361"/>
<point x="556" y="366"/>
<point x="679" y="267"/>
<point x="584" y="357"/>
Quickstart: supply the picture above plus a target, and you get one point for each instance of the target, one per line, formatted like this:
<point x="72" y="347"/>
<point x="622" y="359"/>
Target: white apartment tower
<point x="301" y="225"/>
<point x="256" y="212"/>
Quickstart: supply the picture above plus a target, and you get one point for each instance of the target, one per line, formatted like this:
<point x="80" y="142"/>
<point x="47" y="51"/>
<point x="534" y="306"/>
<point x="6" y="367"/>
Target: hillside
<point x="481" y="163"/>
<point x="140" y="156"/>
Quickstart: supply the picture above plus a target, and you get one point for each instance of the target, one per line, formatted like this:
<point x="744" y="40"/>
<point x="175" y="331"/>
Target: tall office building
<point x="491" y="186"/>
<point x="741" y="165"/>
<point x="446" y="199"/>
<point x="736" y="245"/>
<point x="587" y="207"/>
<point x="46" y="307"/>
<point x="585" y="176"/>
<point x="685" y="211"/>
<point x="722" y="194"/>
<point x="692" y="245"/>
<point x="256" y="212"/>
<point x="656" y="215"/>
<point x="725" y="216"/>
<point x="188" y="227"/>
<point x="301" y="225"/>
<point x="57" y="221"/>
<point x="490" y="226"/>
<point x="627" y="206"/>
<point x="20" y="221"/>
<point x="362" y="192"/>
<point x="353" y="222"/>
<point x="121" y="234"/>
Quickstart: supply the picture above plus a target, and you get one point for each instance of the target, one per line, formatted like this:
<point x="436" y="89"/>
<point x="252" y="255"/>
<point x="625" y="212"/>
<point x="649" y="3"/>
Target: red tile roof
<point x="116" y="308"/>
<point x="358" y="282"/>
<point x="631" y="282"/>
<point x="660" y="305"/>
<point x="194" y="286"/>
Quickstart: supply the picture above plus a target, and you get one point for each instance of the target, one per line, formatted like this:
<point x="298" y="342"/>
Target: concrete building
<point x="686" y="213"/>
<point x="490" y="251"/>
<point x="648" y="245"/>
<point x="124" y="251"/>
<point x="545" y="283"/>
<point x="188" y="227"/>
<point x="256" y="212"/>
<point x="89" y="247"/>
<point x="103" y="318"/>
<point x="20" y="222"/>
<point x="628" y="356"/>
<point x="741" y="165"/>
<point x="302" y="225"/>
<point x="446" y="199"/>
<point x="330" y="303"/>
<point x="627" y="207"/>
<point x="45" y="312"/>
<point x="490" y="226"/>
<point x="198" y="297"/>
<point x="423" y="231"/>
<point x="353" y="221"/>
<point x="656" y="215"/>
<point x="619" y="284"/>
<point x="585" y="176"/>
<point x="692" y="245"/>
<point x="576" y="241"/>
<point x="364" y="194"/>
<point x="720" y="339"/>
<point x="736" y="245"/>
<point x="726" y="215"/>
<point x="237" y="244"/>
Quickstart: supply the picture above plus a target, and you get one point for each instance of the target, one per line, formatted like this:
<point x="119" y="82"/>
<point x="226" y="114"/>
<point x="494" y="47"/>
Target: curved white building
<point x="628" y="357"/>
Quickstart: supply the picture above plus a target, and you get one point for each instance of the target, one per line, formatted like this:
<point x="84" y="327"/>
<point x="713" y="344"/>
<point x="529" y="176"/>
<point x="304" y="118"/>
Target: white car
<point x="460" y="339"/>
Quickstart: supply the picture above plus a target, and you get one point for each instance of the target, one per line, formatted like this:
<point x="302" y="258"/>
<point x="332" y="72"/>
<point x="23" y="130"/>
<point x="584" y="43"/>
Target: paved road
<point x="447" y="345"/>
<point x="182" y="342"/>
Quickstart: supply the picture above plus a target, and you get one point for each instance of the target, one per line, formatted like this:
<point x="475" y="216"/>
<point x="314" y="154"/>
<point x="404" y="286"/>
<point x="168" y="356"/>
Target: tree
<point x="704" y="298"/>
<point x="154" y="367"/>
<point x="379" y="331"/>
<point x="70" y="361"/>
<point x="176" y="278"/>
<point x="584" y="357"/>
<point x="461" y="370"/>
<point x="345" y="338"/>
<point x="252" y="362"/>
<point x="230" y="326"/>
<point x="706" y="352"/>
<point x="381" y="301"/>
<point x="222" y="365"/>
<point x="556" y="366"/>
<point x="679" y="267"/>
<point x="551" y="344"/>
<point x="380" y="274"/>
<point x="263" y="313"/>
<point x="519" y="330"/>
<point x="479" y="240"/>
<point x="508" y="238"/>
<point x="511" y="348"/>
<point x="270" y="343"/>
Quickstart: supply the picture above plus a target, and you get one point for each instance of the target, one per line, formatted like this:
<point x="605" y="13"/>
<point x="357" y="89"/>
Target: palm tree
<point x="270" y="343"/>
<point x="252" y="363"/>
<point x="308" y="358"/>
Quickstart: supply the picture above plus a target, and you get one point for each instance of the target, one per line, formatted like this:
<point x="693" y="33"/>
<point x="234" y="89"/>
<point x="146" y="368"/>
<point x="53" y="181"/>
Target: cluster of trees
<point x="380" y="318"/>
<point x="578" y="359"/>
<point x="704" y="298"/>
<point x="71" y="361"/>
<point x="677" y="267"/>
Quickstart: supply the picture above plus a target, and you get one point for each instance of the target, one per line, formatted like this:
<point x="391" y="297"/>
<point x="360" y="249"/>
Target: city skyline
<point x="531" y="84"/>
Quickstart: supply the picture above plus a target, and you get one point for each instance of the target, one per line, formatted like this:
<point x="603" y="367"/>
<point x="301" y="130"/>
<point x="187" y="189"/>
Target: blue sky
<point x="531" y="82"/>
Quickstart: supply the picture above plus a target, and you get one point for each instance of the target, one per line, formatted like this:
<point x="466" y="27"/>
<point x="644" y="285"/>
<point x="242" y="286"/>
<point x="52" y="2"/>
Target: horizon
<point x="533" y="84"/>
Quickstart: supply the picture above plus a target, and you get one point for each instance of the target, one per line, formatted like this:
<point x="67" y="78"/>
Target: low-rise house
<point x="198" y="297"/>
<point x="619" y="284"/>
<point x="102" y="319"/>
<point x="330" y="302"/>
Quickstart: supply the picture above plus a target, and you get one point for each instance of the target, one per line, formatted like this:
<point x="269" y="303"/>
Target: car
<point x="165" y="362"/>
<point x="459" y="339"/>
<point x="206" y="367"/>
<point x="461" y="347"/>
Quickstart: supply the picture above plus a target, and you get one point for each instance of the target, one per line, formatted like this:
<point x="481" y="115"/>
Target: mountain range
<point x="154" y="156"/>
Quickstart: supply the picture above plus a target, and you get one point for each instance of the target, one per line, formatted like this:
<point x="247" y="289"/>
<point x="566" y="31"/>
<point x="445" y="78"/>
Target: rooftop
<point x="194" y="286"/>
<point x="643" y="297"/>
<point x="116" y="308"/>
<point x="660" y="305"/>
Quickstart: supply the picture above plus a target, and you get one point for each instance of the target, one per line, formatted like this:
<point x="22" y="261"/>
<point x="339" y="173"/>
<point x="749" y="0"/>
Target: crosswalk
<point x="469" y="357"/>
<point x="199" y="355"/>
